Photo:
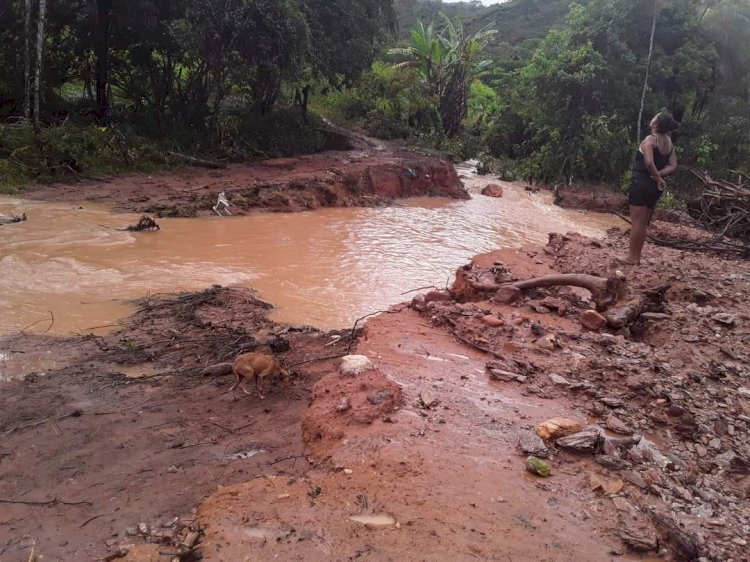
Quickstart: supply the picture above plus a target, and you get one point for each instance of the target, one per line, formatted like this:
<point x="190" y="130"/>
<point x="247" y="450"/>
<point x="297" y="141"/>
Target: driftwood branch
<point x="604" y="291"/>
<point x="73" y="414"/>
<point x="10" y="219"/>
<point x="50" y="503"/>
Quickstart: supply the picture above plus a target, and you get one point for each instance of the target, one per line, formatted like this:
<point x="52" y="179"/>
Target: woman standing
<point x="655" y="160"/>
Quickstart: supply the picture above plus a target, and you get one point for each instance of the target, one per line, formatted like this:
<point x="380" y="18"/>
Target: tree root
<point x="604" y="291"/>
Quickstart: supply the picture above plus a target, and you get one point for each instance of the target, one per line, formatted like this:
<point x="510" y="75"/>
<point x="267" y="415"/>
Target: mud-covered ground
<point x="427" y="444"/>
<point x="128" y="451"/>
<point x="367" y="177"/>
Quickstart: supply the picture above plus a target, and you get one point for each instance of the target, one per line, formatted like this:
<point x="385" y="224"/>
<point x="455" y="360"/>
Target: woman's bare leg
<point x="639" y="222"/>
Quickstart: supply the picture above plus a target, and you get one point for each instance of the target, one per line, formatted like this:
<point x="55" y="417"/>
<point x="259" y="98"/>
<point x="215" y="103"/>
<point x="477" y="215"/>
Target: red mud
<point x="425" y="447"/>
<point x="331" y="179"/>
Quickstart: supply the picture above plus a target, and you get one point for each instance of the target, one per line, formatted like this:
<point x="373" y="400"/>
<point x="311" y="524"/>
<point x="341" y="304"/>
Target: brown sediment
<point x="425" y="447"/>
<point x="330" y="179"/>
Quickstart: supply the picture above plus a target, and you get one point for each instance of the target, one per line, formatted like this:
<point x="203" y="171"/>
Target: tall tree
<point x="27" y="59"/>
<point x="103" y="22"/>
<point x="39" y="60"/>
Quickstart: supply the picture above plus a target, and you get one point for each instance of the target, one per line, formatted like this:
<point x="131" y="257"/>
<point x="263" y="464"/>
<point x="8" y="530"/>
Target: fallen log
<point x="474" y="282"/>
<point x="604" y="291"/>
<point x="11" y="219"/>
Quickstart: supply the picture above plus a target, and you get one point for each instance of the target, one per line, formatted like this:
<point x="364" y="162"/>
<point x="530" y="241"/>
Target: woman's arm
<point x="671" y="166"/>
<point x="647" y="149"/>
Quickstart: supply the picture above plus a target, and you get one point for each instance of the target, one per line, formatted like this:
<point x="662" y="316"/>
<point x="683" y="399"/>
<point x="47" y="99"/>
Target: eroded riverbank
<point x="324" y="268"/>
<point x="115" y="450"/>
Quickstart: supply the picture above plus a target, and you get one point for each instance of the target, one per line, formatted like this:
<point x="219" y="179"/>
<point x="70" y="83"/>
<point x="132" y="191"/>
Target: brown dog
<point x="255" y="366"/>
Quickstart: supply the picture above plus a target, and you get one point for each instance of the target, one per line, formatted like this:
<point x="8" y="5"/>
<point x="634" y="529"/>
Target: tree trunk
<point x="453" y="105"/>
<point x="39" y="52"/>
<point x="103" y="27"/>
<point x="648" y="69"/>
<point x="27" y="60"/>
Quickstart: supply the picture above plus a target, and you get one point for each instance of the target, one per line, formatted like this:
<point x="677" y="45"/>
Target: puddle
<point x="324" y="268"/>
<point x="378" y="520"/>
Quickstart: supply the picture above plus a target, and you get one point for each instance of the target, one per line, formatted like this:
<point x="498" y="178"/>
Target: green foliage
<point x="670" y="201"/>
<point x="389" y="103"/>
<point x="484" y="104"/>
<point x="196" y="75"/>
<point x="346" y="35"/>
<point x="446" y="62"/>
<point x="69" y="151"/>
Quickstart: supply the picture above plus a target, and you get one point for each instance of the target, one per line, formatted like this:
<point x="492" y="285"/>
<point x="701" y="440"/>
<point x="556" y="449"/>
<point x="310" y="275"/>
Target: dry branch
<point x="10" y="219"/>
<point x="604" y="291"/>
<point x="724" y="208"/>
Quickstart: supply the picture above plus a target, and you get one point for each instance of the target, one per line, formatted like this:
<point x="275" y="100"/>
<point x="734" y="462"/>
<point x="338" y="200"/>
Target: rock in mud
<point x="639" y="541"/>
<point x="506" y="376"/>
<point x="436" y="296"/>
<point x="493" y="190"/>
<point x="353" y="365"/>
<point x="343" y="405"/>
<point x="531" y="444"/>
<point x="548" y="342"/>
<point x="427" y="400"/>
<point x="596" y="482"/>
<point x="557" y="427"/>
<point x="611" y="462"/>
<point x="506" y="294"/>
<point x="618" y="426"/>
<point x="559" y="380"/>
<point x="592" y="320"/>
<point x="649" y="452"/>
<point x="589" y="439"/>
<point x="380" y="396"/>
<point x="725" y="319"/>
<point x="538" y="466"/>
<point x="493" y="321"/>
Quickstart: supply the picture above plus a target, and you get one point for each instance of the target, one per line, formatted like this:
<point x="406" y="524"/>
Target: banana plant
<point x="446" y="61"/>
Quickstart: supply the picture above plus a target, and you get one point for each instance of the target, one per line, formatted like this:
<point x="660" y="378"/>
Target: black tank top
<point x="660" y="160"/>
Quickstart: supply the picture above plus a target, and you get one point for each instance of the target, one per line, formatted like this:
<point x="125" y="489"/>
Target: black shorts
<point x="644" y="192"/>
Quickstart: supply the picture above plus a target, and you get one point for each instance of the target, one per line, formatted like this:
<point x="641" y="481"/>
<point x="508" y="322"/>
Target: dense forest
<point x="549" y="90"/>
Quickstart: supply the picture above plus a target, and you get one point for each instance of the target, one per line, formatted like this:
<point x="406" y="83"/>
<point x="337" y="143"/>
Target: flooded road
<point x="68" y="270"/>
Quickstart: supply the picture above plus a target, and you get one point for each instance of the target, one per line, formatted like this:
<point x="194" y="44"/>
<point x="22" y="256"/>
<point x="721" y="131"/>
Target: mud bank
<point x="330" y="179"/>
<point x="603" y="201"/>
<point x="666" y="397"/>
<point x="126" y="437"/>
<point x="423" y="456"/>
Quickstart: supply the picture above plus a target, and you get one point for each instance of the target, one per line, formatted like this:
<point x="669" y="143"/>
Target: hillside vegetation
<point x="555" y="94"/>
<point x="547" y="90"/>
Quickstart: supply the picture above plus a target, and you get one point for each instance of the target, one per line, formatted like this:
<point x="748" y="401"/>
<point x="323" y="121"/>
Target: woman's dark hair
<point x="664" y="122"/>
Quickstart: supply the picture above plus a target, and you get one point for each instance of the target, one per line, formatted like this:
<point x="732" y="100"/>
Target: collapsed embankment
<point x="423" y="456"/>
<point x="330" y="179"/>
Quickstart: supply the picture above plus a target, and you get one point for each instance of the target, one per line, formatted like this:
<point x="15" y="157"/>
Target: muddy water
<point x="62" y="272"/>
